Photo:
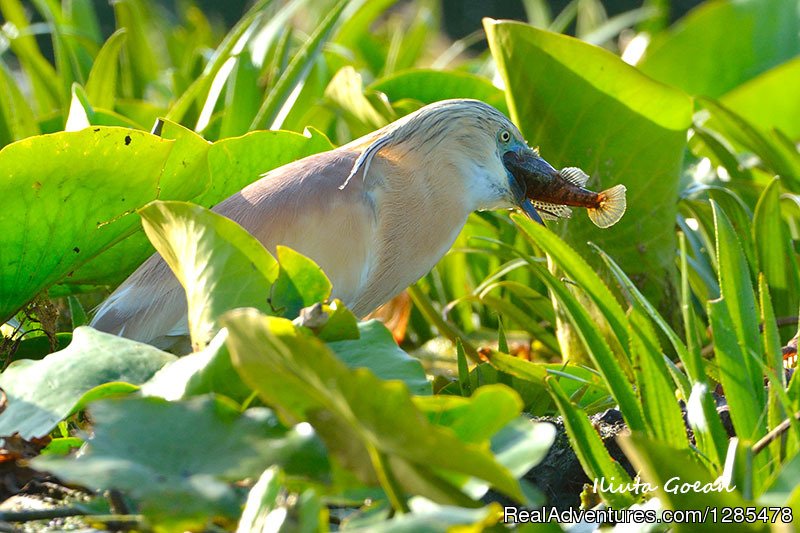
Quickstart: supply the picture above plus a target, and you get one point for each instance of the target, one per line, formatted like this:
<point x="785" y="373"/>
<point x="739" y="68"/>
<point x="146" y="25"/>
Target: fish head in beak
<point x="527" y="174"/>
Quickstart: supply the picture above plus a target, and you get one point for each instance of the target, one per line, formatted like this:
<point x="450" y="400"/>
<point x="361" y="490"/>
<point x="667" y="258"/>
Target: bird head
<point x="470" y="146"/>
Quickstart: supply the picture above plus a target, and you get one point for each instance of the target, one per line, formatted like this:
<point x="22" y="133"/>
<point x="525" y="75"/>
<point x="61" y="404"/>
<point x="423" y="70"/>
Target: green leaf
<point x="766" y="101"/>
<point x="141" y="45"/>
<point x="584" y="107"/>
<point x="745" y="396"/>
<point x="427" y="86"/>
<point x="206" y="371"/>
<point x="580" y="273"/>
<point x="201" y="85"/>
<point x="740" y="316"/>
<point x="665" y="468"/>
<point x="101" y="87"/>
<point x="185" y="176"/>
<point x="268" y="508"/>
<point x="601" y="355"/>
<point x="366" y="423"/>
<point x="474" y="419"/>
<point x="44" y="79"/>
<point x="237" y="162"/>
<point x="242" y="98"/>
<point x="771" y="147"/>
<point x="376" y="350"/>
<point x="296" y="71"/>
<point x="692" y="361"/>
<point x="710" y="435"/>
<point x="39" y="346"/>
<point x="42" y="393"/>
<point x="591" y="452"/>
<point x="73" y="203"/>
<point x="655" y="387"/>
<point x="699" y="56"/>
<point x="341" y="324"/>
<point x="16" y="117"/>
<point x="776" y="257"/>
<point x="140" y="446"/>
<point x="218" y="262"/>
<point x="300" y="283"/>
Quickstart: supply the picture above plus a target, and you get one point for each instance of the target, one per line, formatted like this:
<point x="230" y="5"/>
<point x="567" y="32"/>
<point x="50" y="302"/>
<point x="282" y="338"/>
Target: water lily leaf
<point x="237" y="162"/>
<point x="140" y="446"/>
<point x="185" y="175"/>
<point x="209" y="370"/>
<point x="376" y="349"/>
<point x="42" y="393"/>
<point x="300" y="283"/>
<point x="60" y="211"/>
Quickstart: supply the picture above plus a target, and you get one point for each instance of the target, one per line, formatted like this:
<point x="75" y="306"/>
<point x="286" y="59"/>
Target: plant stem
<point x="776" y="432"/>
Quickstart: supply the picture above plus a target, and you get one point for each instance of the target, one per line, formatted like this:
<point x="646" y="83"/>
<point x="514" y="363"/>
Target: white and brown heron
<point x="378" y="213"/>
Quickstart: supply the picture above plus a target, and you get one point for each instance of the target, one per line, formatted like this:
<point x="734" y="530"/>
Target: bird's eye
<point x="505" y="136"/>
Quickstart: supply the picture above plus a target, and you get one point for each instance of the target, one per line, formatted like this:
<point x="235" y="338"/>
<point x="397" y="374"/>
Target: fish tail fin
<point x="612" y="207"/>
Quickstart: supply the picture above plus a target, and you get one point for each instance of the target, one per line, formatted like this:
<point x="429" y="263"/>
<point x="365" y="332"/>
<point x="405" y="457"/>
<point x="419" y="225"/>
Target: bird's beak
<point x="528" y="173"/>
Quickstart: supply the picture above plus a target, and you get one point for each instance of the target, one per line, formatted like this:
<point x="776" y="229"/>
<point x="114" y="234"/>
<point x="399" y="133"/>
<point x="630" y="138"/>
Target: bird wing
<point x="298" y="205"/>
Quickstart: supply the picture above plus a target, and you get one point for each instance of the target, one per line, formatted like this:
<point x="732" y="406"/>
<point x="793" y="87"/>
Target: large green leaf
<point x="237" y="162"/>
<point x="366" y="423"/>
<point x="218" y="262"/>
<point x="428" y="86"/>
<point x="769" y="101"/>
<point x="174" y="459"/>
<point x="701" y="55"/>
<point x="185" y="175"/>
<point x="42" y="393"/>
<point x="376" y="349"/>
<point x="59" y="211"/>
<point x="584" y="107"/>
<point x="203" y="372"/>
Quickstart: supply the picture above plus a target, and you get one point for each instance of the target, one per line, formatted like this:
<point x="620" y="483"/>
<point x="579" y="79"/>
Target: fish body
<point x="551" y="193"/>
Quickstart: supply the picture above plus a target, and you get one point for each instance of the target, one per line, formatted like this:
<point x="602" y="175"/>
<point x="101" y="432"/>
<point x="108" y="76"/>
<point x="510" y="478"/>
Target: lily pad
<point x="60" y="211"/>
<point x="176" y="459"/>
<point x="42" y="393"/>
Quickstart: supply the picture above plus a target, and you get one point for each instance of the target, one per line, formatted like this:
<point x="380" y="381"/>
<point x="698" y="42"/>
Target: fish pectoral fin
<point x="550" y="211"/>
<point x="574" y="175"/>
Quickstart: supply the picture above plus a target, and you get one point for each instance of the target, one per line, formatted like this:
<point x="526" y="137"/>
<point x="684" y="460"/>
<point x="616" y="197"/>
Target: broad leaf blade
<point x="699" y="56"/>
<point x="73" y="203"/>
<point x="352" y="410"/>
<point x="218" y="262"/>
<point x="42" y="393"/>
<point x="584" y="107"/>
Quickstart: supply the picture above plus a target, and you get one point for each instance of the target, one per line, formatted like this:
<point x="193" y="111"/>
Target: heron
<point x="375" y="214"/>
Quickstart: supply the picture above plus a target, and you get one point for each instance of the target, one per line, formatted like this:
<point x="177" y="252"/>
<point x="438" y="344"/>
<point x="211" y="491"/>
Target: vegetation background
<point x="680" y="321"/>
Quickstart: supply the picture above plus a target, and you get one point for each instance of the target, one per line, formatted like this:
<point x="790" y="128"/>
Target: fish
<point x="549" y="193"/>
